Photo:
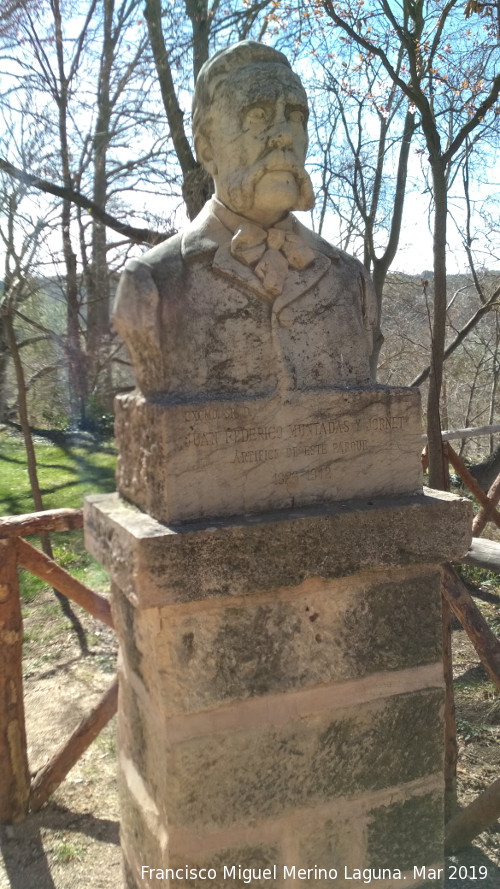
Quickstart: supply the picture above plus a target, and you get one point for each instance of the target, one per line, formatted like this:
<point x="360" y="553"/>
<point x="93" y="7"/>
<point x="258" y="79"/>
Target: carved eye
<point x="256" y="116"/>
<point x="297" y="116"/>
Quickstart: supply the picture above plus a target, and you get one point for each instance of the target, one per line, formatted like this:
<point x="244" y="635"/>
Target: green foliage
<point x="470" y="731"/>
<point x="67" y="474"/>
<point x="65" y="851"/>
<point x="478" y="576"/>
<point x="99" y="420"/>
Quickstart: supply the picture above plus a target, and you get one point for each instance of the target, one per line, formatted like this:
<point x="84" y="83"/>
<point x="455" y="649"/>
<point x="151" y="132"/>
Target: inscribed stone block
<point x="182" y="462"/>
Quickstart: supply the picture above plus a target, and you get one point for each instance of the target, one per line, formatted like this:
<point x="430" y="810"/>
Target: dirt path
<point x="73" y="841"/>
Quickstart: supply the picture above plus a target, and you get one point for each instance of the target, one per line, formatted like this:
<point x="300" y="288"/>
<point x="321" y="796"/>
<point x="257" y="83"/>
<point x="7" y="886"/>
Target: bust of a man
<point x="246" y="301"/>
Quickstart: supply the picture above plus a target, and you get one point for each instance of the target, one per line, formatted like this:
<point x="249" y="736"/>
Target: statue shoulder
<point x="147" y="265"/>
<point x="317" y="242"/>
<point x="137" y="296"/>
<point x="350" y="270"/>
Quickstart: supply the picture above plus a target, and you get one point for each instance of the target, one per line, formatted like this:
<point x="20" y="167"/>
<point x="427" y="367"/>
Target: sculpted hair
<point x="217" y="69"/>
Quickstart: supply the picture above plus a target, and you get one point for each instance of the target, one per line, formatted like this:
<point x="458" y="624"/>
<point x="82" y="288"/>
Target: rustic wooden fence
<point x="462" y="826"/>
<point x="20" y="792"/>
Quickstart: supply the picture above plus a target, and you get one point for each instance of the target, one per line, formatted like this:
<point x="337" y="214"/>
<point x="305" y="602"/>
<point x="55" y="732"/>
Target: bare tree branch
<point x="465" y="330"/>
<point x="138" y="235"/>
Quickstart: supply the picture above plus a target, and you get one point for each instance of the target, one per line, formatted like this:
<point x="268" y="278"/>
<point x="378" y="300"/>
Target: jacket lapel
<point x="207" y="234"/>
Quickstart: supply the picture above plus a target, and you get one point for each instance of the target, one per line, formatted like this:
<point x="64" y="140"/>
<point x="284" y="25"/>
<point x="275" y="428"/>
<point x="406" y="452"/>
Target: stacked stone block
<point x="281" y="692"/>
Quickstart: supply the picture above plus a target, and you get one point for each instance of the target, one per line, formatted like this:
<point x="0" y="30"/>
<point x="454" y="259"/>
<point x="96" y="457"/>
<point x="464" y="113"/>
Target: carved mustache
<point x="276" y="162"/>
<point x="243" y="186"/>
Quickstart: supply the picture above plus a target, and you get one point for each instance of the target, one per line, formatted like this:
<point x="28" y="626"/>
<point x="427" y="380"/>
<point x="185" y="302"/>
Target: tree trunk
<point x="494" y="381"/>
<point x="77" y="370"/>
<point x="33" y="475"/>
<point x="437" y="478"/>
<point x="4" y="359"/>
<point x="98" y="296"/>
<point x="23" y="416"/>
<point x="197" y="11"/>
<point x="381" y="265"/>
<point x="197" y="186"/>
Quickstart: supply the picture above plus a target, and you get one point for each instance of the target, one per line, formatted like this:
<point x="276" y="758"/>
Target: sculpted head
<point x="250" y="131"/>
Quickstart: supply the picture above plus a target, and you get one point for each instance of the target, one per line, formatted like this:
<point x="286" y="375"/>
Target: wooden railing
<point x="464" y="825"/>
<point x="19" y="793"/>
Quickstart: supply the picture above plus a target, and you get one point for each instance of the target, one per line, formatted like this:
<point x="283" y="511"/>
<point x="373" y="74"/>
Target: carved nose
<point x="281" y="139"/>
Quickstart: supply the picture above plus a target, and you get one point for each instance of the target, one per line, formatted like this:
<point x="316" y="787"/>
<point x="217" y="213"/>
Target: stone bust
<point x="246" y="301"/>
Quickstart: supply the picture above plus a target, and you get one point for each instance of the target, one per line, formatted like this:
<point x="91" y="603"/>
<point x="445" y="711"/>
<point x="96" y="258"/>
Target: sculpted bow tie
<point x="270" y="253"/>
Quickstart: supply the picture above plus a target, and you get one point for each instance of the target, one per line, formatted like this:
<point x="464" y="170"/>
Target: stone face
<point x="413" y="828"/>
<point x="180" y="462"/>
<point x="331" y="842"/>
<point x="154" y="564"/>
<point x="321" y="632"/>
<point x="252" y="775"/>
<point x="246" y="302"/>
<point x="143" y="846"/>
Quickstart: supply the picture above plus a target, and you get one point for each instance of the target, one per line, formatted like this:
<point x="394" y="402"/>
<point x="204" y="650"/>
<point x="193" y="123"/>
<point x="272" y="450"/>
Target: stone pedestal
<point x="281" y="696"/>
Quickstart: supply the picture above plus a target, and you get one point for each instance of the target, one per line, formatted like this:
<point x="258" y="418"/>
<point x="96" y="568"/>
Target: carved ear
<point x="204" y="154"/>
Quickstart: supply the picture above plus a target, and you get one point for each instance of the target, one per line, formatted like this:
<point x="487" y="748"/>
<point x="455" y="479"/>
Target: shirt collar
<point x="232" y="221"/>
<point x="216" y="223"/>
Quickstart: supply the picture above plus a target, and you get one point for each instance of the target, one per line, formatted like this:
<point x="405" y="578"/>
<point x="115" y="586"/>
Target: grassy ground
<point x="68" y="470"/>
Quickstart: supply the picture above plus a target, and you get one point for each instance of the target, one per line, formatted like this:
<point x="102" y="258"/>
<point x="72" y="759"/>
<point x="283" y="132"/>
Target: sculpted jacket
<point x="198" y="323"/>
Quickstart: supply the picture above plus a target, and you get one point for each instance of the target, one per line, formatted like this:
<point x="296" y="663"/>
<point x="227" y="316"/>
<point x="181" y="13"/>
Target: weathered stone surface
<point x="144" y="840"/>
<point x="185" y="462"/>
<point x="407" y="834"/>
<point x="323" y="632"/>
<point x="154" y="564"/>
<point x="246" y="301"/>
<point x="134" y="726"/>
<point x="234" y="868"/>
<point x="336" y="842"/>
<point x="124" y="619"/>
<point x="247" y="776"/>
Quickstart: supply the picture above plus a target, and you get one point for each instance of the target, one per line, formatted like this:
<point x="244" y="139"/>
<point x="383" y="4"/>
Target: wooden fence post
<point x="50" y="775"/>
<point x="14" y="772"/>
<point x="483" y="516"/>
<point x="450" y="725"/>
